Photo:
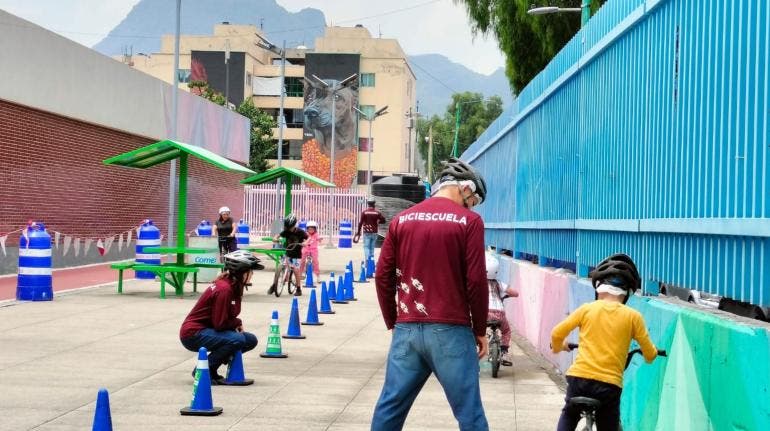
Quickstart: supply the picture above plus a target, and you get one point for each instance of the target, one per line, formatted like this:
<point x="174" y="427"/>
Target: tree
<point x="475" y="116"/>
<point x="261" y="142"/>
<point x="529" y="42"/>
<point x="202" y="88"/>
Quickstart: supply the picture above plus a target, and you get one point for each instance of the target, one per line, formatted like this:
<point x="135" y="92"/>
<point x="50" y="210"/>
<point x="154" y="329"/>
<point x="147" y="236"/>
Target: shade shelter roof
<point x="167" y="150"/>
<point x="285" y="173"/>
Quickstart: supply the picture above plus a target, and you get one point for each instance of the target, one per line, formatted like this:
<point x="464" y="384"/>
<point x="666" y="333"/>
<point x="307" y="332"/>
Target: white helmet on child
<point x="492" y="265"/>
<point x="313" y="224"/>
<point x="224" y="210"/>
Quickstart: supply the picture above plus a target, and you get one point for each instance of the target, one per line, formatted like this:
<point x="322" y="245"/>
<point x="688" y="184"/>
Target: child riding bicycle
<point x="497" y="292"/>
<point x="311" y="249"/>
<point x="606" y="327"/>
<point x="295" y="239"/>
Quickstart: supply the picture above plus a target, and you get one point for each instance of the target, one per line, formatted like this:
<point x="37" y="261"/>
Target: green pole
<point x="182" y="208"/>
<point x="287" y="201"/>
<point x="457" y="128"/>
<point x="585" y="13"/>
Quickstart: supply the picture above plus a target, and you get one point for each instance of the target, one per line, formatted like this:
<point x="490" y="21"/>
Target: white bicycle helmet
<point x="312" y="223"/>
<point x="492" y="266"/>
<point x="224" y="210"/>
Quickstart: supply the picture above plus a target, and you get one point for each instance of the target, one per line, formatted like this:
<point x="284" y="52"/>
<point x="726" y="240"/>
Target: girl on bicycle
<point x="497" y="292"/>
<point x="223" y="230"/>
<point x="295" y="239"/>
<point x="311" y="249"/>
<point x="213" y="322"/>
<point x="606" y="327"/>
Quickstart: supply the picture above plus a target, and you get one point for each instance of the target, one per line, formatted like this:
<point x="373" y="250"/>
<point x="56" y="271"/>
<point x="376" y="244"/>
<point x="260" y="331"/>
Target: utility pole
<point x="227" y="73"/>
<point x="430" y="153"/>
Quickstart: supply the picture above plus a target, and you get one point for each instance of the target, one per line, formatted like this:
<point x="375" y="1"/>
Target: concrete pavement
<point x="56" y="355"/>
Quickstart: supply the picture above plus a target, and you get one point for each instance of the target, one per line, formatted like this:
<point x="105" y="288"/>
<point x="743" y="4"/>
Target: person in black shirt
<point x="225" y="232"/>
<point x="295" y="238"/>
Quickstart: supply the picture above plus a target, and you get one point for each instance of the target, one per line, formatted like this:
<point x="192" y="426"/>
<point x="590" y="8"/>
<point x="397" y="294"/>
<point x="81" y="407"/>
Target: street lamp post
<point x="584" y="9"/>
<point x="174" y="110"/>
<point x="334" y="88"/>
<point x="370" y="118"/>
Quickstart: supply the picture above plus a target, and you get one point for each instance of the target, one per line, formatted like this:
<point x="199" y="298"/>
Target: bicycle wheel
<point x="494" y="356"/>
<point x="279" y="280"/>
<point x="291" y="281"/>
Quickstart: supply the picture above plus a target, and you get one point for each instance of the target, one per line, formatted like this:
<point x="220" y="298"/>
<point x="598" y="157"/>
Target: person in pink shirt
<point x="311" y="248"/>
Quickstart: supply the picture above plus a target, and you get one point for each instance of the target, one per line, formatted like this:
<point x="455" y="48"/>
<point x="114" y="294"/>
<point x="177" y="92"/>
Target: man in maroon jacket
<point x="370" y="221"/>
<point x="437" y="307"/>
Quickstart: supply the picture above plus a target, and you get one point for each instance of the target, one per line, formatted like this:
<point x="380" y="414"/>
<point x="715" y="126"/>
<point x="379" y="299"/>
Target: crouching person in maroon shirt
<point x="437" y="309"/>
<point x="213" y="322"/>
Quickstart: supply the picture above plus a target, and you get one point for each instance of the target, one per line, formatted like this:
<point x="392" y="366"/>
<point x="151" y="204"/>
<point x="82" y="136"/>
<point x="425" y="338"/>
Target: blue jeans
<point x="369" y="240"/>
<point x="419" y="349"/>
<point x="220" y="345"/>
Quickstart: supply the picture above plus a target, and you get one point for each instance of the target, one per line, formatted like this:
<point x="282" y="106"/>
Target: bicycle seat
<point x="584" y="403"/>
<point x="494" y="324"/>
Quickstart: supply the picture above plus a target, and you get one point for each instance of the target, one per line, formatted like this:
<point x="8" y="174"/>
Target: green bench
<point x="178" y="274"/>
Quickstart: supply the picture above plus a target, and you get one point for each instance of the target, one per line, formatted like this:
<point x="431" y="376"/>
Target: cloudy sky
<point x="421" y="26"/>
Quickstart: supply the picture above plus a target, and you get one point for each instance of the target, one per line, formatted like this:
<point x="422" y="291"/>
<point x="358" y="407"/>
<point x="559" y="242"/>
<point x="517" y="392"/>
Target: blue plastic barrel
<point x="149" y="236"/>
<point x="204" y="228"/>
<point x="242" y="234"/>
<point x="346" y="234"/>
<point x="34" y="282"/>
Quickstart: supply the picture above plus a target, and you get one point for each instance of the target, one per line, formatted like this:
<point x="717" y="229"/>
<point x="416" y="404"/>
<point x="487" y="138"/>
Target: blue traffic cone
<point x="273" y="348"/>
<point x="312" y="311"/>
<point x="349" y="265"/>
<point x="340" y="297"/>
<point x="326" y="306"/>
<point x="102" y="416"/>
<point x="370" y="267"/>
<point x="309" y="282"/>
<point x="235" y="375"/>
<point x="294" y="330"/>
<point x="332" y="290"/>
<point x="349" y="293"/>
<point x="202" y="404"/>
<point x="362" y="275"/>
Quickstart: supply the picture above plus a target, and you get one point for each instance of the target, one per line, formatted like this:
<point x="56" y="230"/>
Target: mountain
<point x="142" y="28"/>
<point x="435" y="73"/>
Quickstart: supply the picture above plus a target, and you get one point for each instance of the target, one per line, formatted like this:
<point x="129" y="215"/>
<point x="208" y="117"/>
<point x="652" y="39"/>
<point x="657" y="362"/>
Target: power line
<point x="411" y="61"/>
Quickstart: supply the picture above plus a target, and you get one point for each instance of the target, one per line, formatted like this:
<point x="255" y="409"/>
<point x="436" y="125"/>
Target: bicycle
<point x="588" y="406"/>
<point x="495" y="353"/>
<point x="285" y="275"/>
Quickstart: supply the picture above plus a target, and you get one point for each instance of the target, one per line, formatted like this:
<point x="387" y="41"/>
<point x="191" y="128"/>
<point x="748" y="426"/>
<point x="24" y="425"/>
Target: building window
<point x="363" y="144"/>
<point x="294" y="86"/>
<point x="183" y="75"/>
<point x="367" y="80"/>
<point x="367" y="109"/>
<point x="363" y="177"/>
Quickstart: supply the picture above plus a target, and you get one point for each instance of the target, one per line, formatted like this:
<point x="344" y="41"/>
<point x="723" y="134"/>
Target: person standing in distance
<point x="370" y="220"/>
<point x="437" y="310"/>
<point x="223" y="230"/>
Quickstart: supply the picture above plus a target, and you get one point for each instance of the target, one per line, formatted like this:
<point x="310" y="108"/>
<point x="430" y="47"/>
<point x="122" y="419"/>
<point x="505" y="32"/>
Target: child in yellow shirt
<point x="606" y="326"/>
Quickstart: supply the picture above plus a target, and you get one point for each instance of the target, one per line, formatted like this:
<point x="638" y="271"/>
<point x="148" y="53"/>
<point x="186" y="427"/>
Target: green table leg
<point x="120" y="281"/>
<point x="195" y="282"/>
<point x="162" y="286"/>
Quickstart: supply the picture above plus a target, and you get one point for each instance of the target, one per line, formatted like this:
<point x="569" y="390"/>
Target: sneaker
<point x="216" y="379"/>
<point x="505" y="359"/>
<point x="271" y="290"/>
<point x="298" y="292"/>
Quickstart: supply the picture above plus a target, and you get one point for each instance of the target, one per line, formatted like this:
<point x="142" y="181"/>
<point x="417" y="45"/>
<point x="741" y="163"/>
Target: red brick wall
<point x="51" y="170"/>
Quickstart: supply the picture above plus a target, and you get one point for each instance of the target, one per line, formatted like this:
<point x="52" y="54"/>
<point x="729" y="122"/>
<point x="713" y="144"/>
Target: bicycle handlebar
<point x="573" y="346"/>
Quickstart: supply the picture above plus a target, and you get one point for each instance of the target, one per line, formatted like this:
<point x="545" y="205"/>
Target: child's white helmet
<point x="492" y="266"/>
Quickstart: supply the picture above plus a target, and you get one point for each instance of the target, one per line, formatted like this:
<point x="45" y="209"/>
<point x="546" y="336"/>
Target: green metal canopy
<point x="287" y="175"/>
<point x="164" y="151"/>
<point x="167" y="150"/>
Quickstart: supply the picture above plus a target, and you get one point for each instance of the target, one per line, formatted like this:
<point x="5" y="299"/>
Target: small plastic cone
<point x="312" y="311"/>
<point x="102" y="416"/>
<point x="326" y="306"/>
<point x="202" y="404"/>
<point x="294" y="330"/>
<point x="273" y="347"/>
<point x="340" y="297"/>
<point x="235" y="374"/>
